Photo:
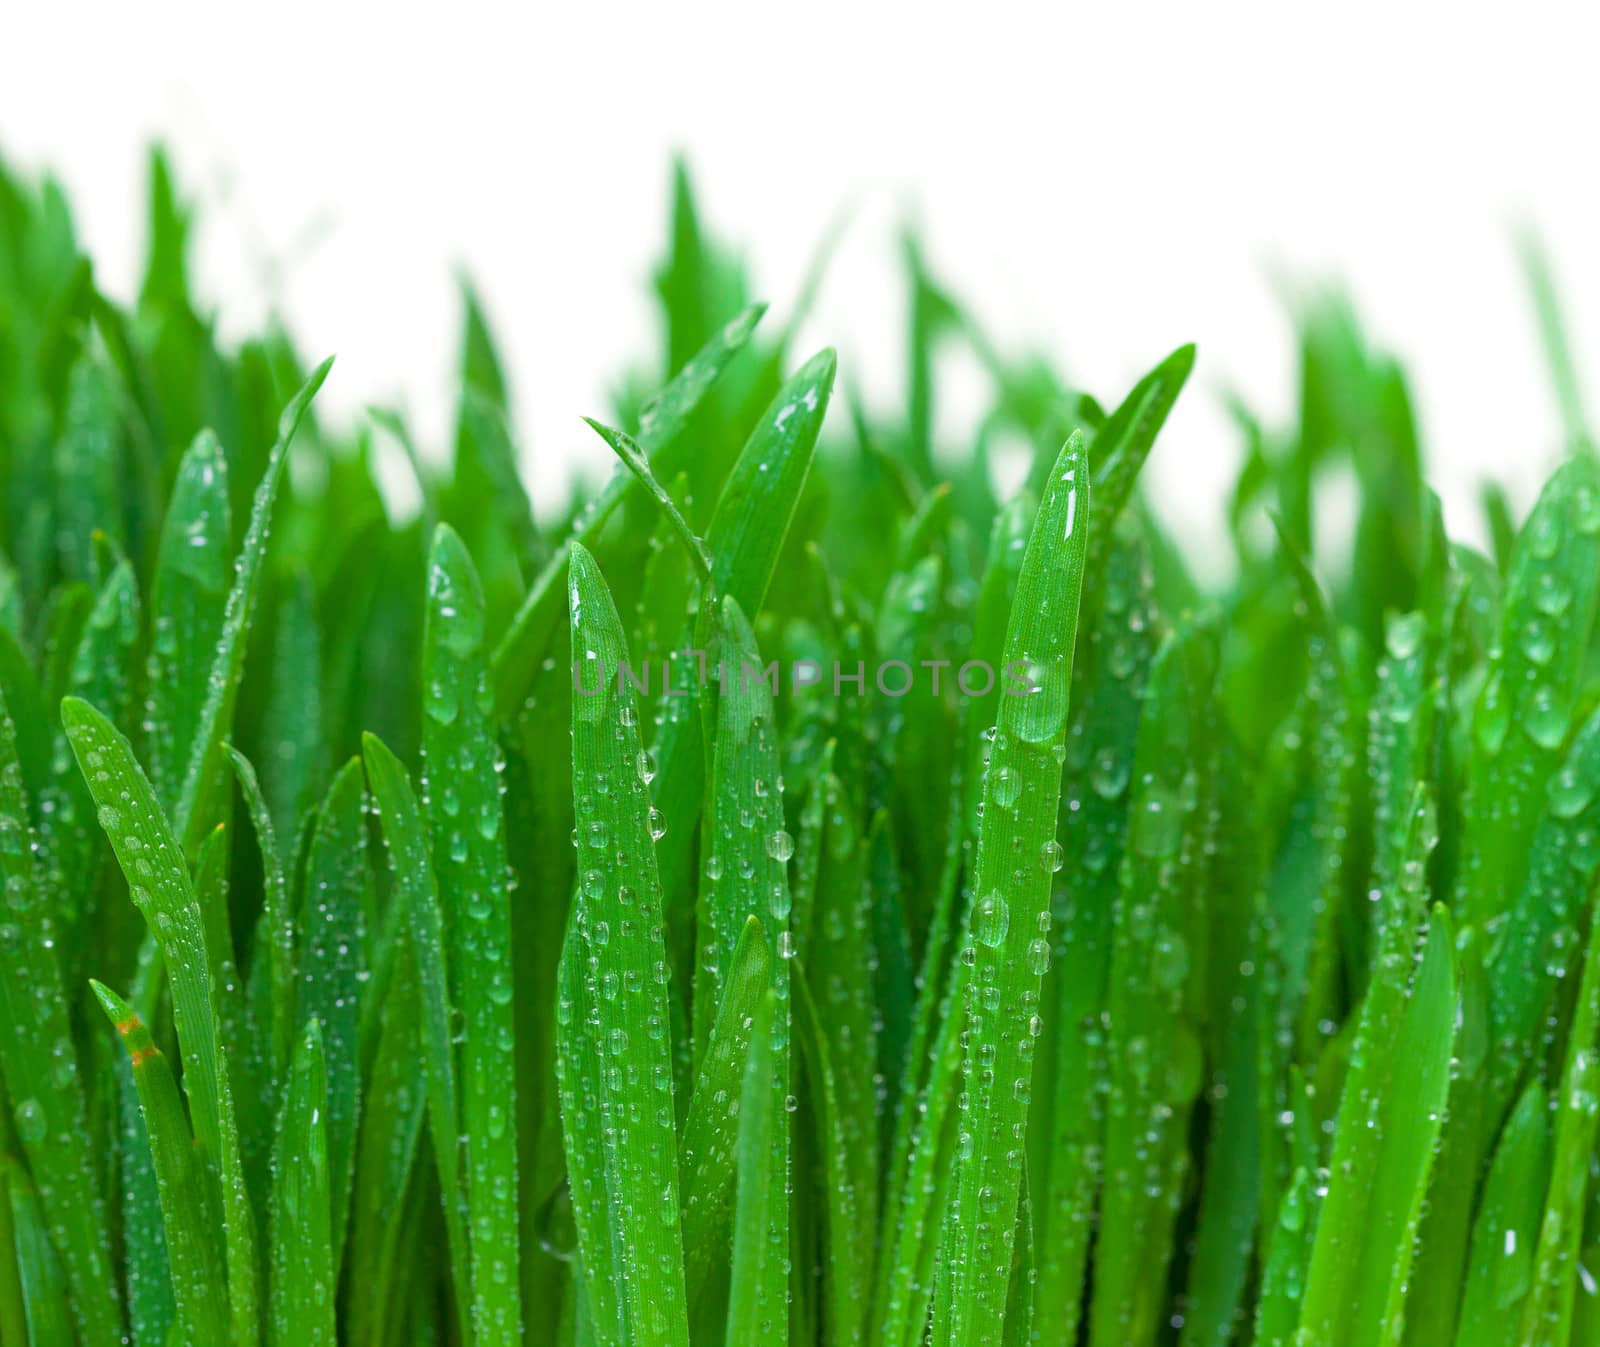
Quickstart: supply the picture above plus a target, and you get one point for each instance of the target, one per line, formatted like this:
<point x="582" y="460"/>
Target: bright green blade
<point x="1547" y="1316"/>
<point x="410" y="864"/>
<point x="187" y="599"/>
<point x="617" y="1068"/>
<point x="302" y="1276"/>
<point x="758" y="1308"/>
<point x="194" y="1257"/>
<point x="40" y="1064"/>
<point x="461" y="785"/>
<point x="1006" y="942"/>
<point x="1504" y="1236"/>
<point x="202" y="773"/>
<point x="331" y="943"/>
<point x="707" y="1152"/>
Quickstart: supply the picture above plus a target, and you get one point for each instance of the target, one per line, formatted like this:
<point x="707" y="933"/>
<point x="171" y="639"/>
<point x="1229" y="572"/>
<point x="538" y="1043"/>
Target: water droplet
<point x="991" y="920"/>
<point x="780" y="846"/>
<point x="31" y="1121"/>
<point x="1109" y="776"/>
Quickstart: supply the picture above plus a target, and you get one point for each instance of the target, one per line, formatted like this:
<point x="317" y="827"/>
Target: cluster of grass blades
<point x="1076" y="954"/>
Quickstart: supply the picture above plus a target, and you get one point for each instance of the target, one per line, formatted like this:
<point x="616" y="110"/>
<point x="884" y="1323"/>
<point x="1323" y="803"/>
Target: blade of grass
<point x="411" y="866"/>
<point x="187" y="598"/>
<point x="1005" y="940"/>
<point x="1152" y="1053"/>
<point x="1546" y="619"/>
<point x="1500" y="1266"/>
<point x="758" y="1309"/>
<point x="161" y="888"/>
<point x="277" y="919"/>
<point x="707" y="1151"/>
<point x="747" y="531"/>
<point x="461" y="787"/>
<point x="203" y="771"/>
<point x="1547" y="1314"/>
<point x="331" y="941"/>
<point x="622" y="962"/>
<point x="302" y="1277"/>
<point x="43" y="1283"/>
<point x="199" y="1288"/>
<point x="41" y="1065"/>
<point x="1409" y="1125"/>
<point x="526" y="642"/>
<point x="1344" y="1232"/>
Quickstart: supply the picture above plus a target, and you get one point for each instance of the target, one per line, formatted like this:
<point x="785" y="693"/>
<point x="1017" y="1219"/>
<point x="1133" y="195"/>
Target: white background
<point x="1103" y="185"/>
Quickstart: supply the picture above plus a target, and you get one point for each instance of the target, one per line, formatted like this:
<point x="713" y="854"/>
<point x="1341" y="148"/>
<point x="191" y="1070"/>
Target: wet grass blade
<point x="161" y="888"/>
<point x="758" y="1309"/>
<point x="1343" y="1229"/>
<point x="203" y="771"/>
<point x="1525" y="709"/>
<point x="518" y="653"/>
<point x="302" y="1280"/>
<point x="187" y="599"/>
<point x="412" y="869"/>
<point x="619" y="1048"/>
<point x="1547" y="1316"/>
<point x="843" y="1302"/>
<point x="461" y="785"/>
<point x="711" y="1132"/>
<point x="277" y="921"/>
<point x="42" y="1283"/>
<point x="1152" y="1051"/>
<point x="331" y="944"/>
<point x="1068" y="1121"/>
<point x="747" y="532"/>
<point x="1409" y="1124"/>
<point x="194" y="1255"/>
<point x="1006" y="942"/>
<point x="1504" y="1236"/>
<point x="41" y="1070"/>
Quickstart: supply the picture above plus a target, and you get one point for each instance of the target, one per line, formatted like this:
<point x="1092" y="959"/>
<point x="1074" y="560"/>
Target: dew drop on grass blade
<point x="461" y="788"/>
<point x="1011" y="911"/>
<point x="202" y="773"/>
<point x="40" y="1062"/>
<point x="412" y="869"/>
<point x="301" y="1237"/>
<point x="187" y="598"/>
<point x="617" y="1059"/>
<point x="194" y="1255"/>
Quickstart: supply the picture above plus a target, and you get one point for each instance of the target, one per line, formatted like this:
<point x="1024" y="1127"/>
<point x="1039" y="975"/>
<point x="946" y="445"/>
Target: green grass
<point x="377" y="967"/>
